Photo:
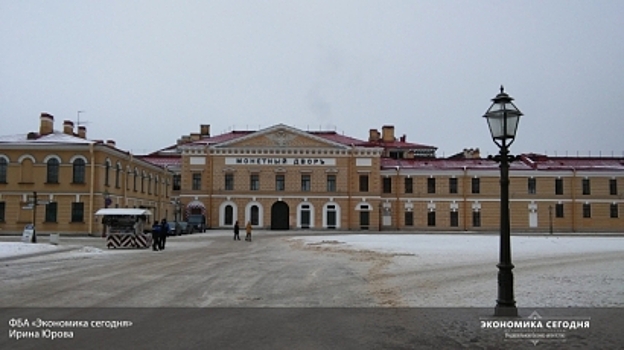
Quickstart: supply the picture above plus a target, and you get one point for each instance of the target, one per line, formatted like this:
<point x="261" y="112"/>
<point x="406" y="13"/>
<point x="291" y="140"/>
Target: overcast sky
<point x="147" y="72"/>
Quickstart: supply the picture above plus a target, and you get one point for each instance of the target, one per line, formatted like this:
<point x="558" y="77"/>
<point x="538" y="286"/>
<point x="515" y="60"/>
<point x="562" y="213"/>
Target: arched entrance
<point x="279" y="216"/>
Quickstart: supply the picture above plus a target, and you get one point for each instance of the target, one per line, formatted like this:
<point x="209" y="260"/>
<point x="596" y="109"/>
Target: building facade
<point x="72" y="177"/>
<point x="285" y="178"/>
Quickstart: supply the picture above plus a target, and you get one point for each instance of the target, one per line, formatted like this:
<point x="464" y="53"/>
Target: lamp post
<point x="503" y="117"/>
<point x="550" y="219"/>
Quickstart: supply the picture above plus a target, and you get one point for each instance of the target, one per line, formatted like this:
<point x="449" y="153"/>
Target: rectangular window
<point x="409" y="185"/>
<point x="532" y="185"/>
<point x="305" y="183"/>
<point x="586" y="188"/>
<point x="431" y="185"/>
<point x="229" y="182"/>
<point x="196" y="181"/>
<point x="387" y="185"/>
<point x="476" y="219"/>
<point x="453" y="185"/>
<point x="587" y="210"/>
<point x="254" y="182"/>
<point x="559" y="210"/>
<point x="363" y="183"/>
<point x="2" y="209"/>
<point x="409" y="218"/>
<point x="476" y="185"/>
<point x="280" y="182"/>
<point x="454" y="219"/>
<point x="431" y="218"/>
<point x="177" y="182"/>
<point x="613" y="187"/>
<point x="331" y="183"/>
<point x="614" y="210"/>
<point x="77" y="212"/>
<point x="50" y="212"/>
<point x="558" y="186"/>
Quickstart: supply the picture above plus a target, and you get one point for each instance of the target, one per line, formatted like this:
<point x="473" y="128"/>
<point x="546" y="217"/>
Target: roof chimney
<point x="195" y="136"/>
<point x="68" y="127"/>
<point x="387" y="133"/>
<point x="204" y="130"/>
<point x="46" y="125"/>
<point x="82" y="132"/>
<point x="373" y="135"/>
<point x="111" y="143"/>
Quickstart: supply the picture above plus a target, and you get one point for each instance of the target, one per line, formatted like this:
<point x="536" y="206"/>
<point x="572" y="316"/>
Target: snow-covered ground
<point x="460" y="270"/>
<point x="429" y="270"/>
<point x="15" y="249"/>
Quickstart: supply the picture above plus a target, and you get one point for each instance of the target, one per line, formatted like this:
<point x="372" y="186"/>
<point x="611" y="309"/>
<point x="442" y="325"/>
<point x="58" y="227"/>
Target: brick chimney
<point x="46" y="125"/>
<point x="82" y="132"/>
<point x="204" y="130"/>
<point x="68" y="127"/>
<point x="387" y="133"/>
<point x="373" y="135"/>
<point x="111" y="143"/>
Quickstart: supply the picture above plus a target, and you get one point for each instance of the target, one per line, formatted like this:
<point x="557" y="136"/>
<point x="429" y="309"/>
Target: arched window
<point x="255" y="215"/>
<point x="149" y="185"/>
<point x="134" y="179"/>
<point x="229" y="215"/>
<point x="3" y="170"/>
<point x="53" y="171"/>
<point x="117" y="175"/>
<point x="143" y="182"/>
<point x="78" y="171"/>
<point x="107" y="173"/>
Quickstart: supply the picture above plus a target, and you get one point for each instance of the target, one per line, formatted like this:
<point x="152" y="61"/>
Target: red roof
<point x="526" y="162"/>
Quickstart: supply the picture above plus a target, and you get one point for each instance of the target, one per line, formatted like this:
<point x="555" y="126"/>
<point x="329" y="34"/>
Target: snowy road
<point x="210" y="270"/>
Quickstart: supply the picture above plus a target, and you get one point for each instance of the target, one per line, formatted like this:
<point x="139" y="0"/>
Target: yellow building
<point x="72" y="178"/>
<point x="285" y="178"/>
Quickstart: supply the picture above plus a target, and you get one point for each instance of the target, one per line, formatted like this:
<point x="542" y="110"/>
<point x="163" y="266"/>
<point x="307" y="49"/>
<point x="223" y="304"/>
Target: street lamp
<point x="503" y="117"/>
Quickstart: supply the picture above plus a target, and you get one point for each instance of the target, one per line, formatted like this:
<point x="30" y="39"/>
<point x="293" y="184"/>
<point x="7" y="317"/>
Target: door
<point x="364" y="220"/>
<point x="533" y="218"/>
<point x="279" y="216"/>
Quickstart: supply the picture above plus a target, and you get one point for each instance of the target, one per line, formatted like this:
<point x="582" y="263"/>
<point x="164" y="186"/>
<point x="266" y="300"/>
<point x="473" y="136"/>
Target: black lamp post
<point x="503" y="117"/>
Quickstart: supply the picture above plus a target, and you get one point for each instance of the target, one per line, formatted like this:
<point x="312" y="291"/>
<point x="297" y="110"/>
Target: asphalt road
<point x="208" y="291"/>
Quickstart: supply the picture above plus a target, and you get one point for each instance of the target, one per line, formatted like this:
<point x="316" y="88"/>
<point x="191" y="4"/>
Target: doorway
<point x="280" y="215"/>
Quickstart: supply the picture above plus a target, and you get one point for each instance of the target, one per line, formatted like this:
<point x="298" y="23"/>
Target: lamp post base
<point x="508" y="311"/>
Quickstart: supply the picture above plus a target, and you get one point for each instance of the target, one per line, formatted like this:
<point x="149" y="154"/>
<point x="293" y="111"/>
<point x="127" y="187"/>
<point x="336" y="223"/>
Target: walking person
<point x="155" y="236"/>
<point x="236" y="230"/>
<point x="248" y="229"/>
<point x="164" y="230"/>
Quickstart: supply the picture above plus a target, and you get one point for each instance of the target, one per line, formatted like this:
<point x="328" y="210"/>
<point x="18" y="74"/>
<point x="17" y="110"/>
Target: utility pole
<point x="32" y="204"/>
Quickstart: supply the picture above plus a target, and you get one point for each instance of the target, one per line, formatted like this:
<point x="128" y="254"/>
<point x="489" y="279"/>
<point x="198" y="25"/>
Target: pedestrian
<point x="236" y="230"/>
<point x="164" y="230"/>
<point x="156" y="236"/>
<point x="248" y="229"/>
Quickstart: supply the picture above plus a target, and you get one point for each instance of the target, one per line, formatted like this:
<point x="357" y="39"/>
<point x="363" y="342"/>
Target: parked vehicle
<point x="179" y="228"/>
<point x="197" y="223"/>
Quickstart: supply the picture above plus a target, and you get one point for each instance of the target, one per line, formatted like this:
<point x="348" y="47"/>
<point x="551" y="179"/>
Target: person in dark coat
<point x="236" y="231"/>
<point x="155" y="236"/>
<point x="164" y="230"/>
